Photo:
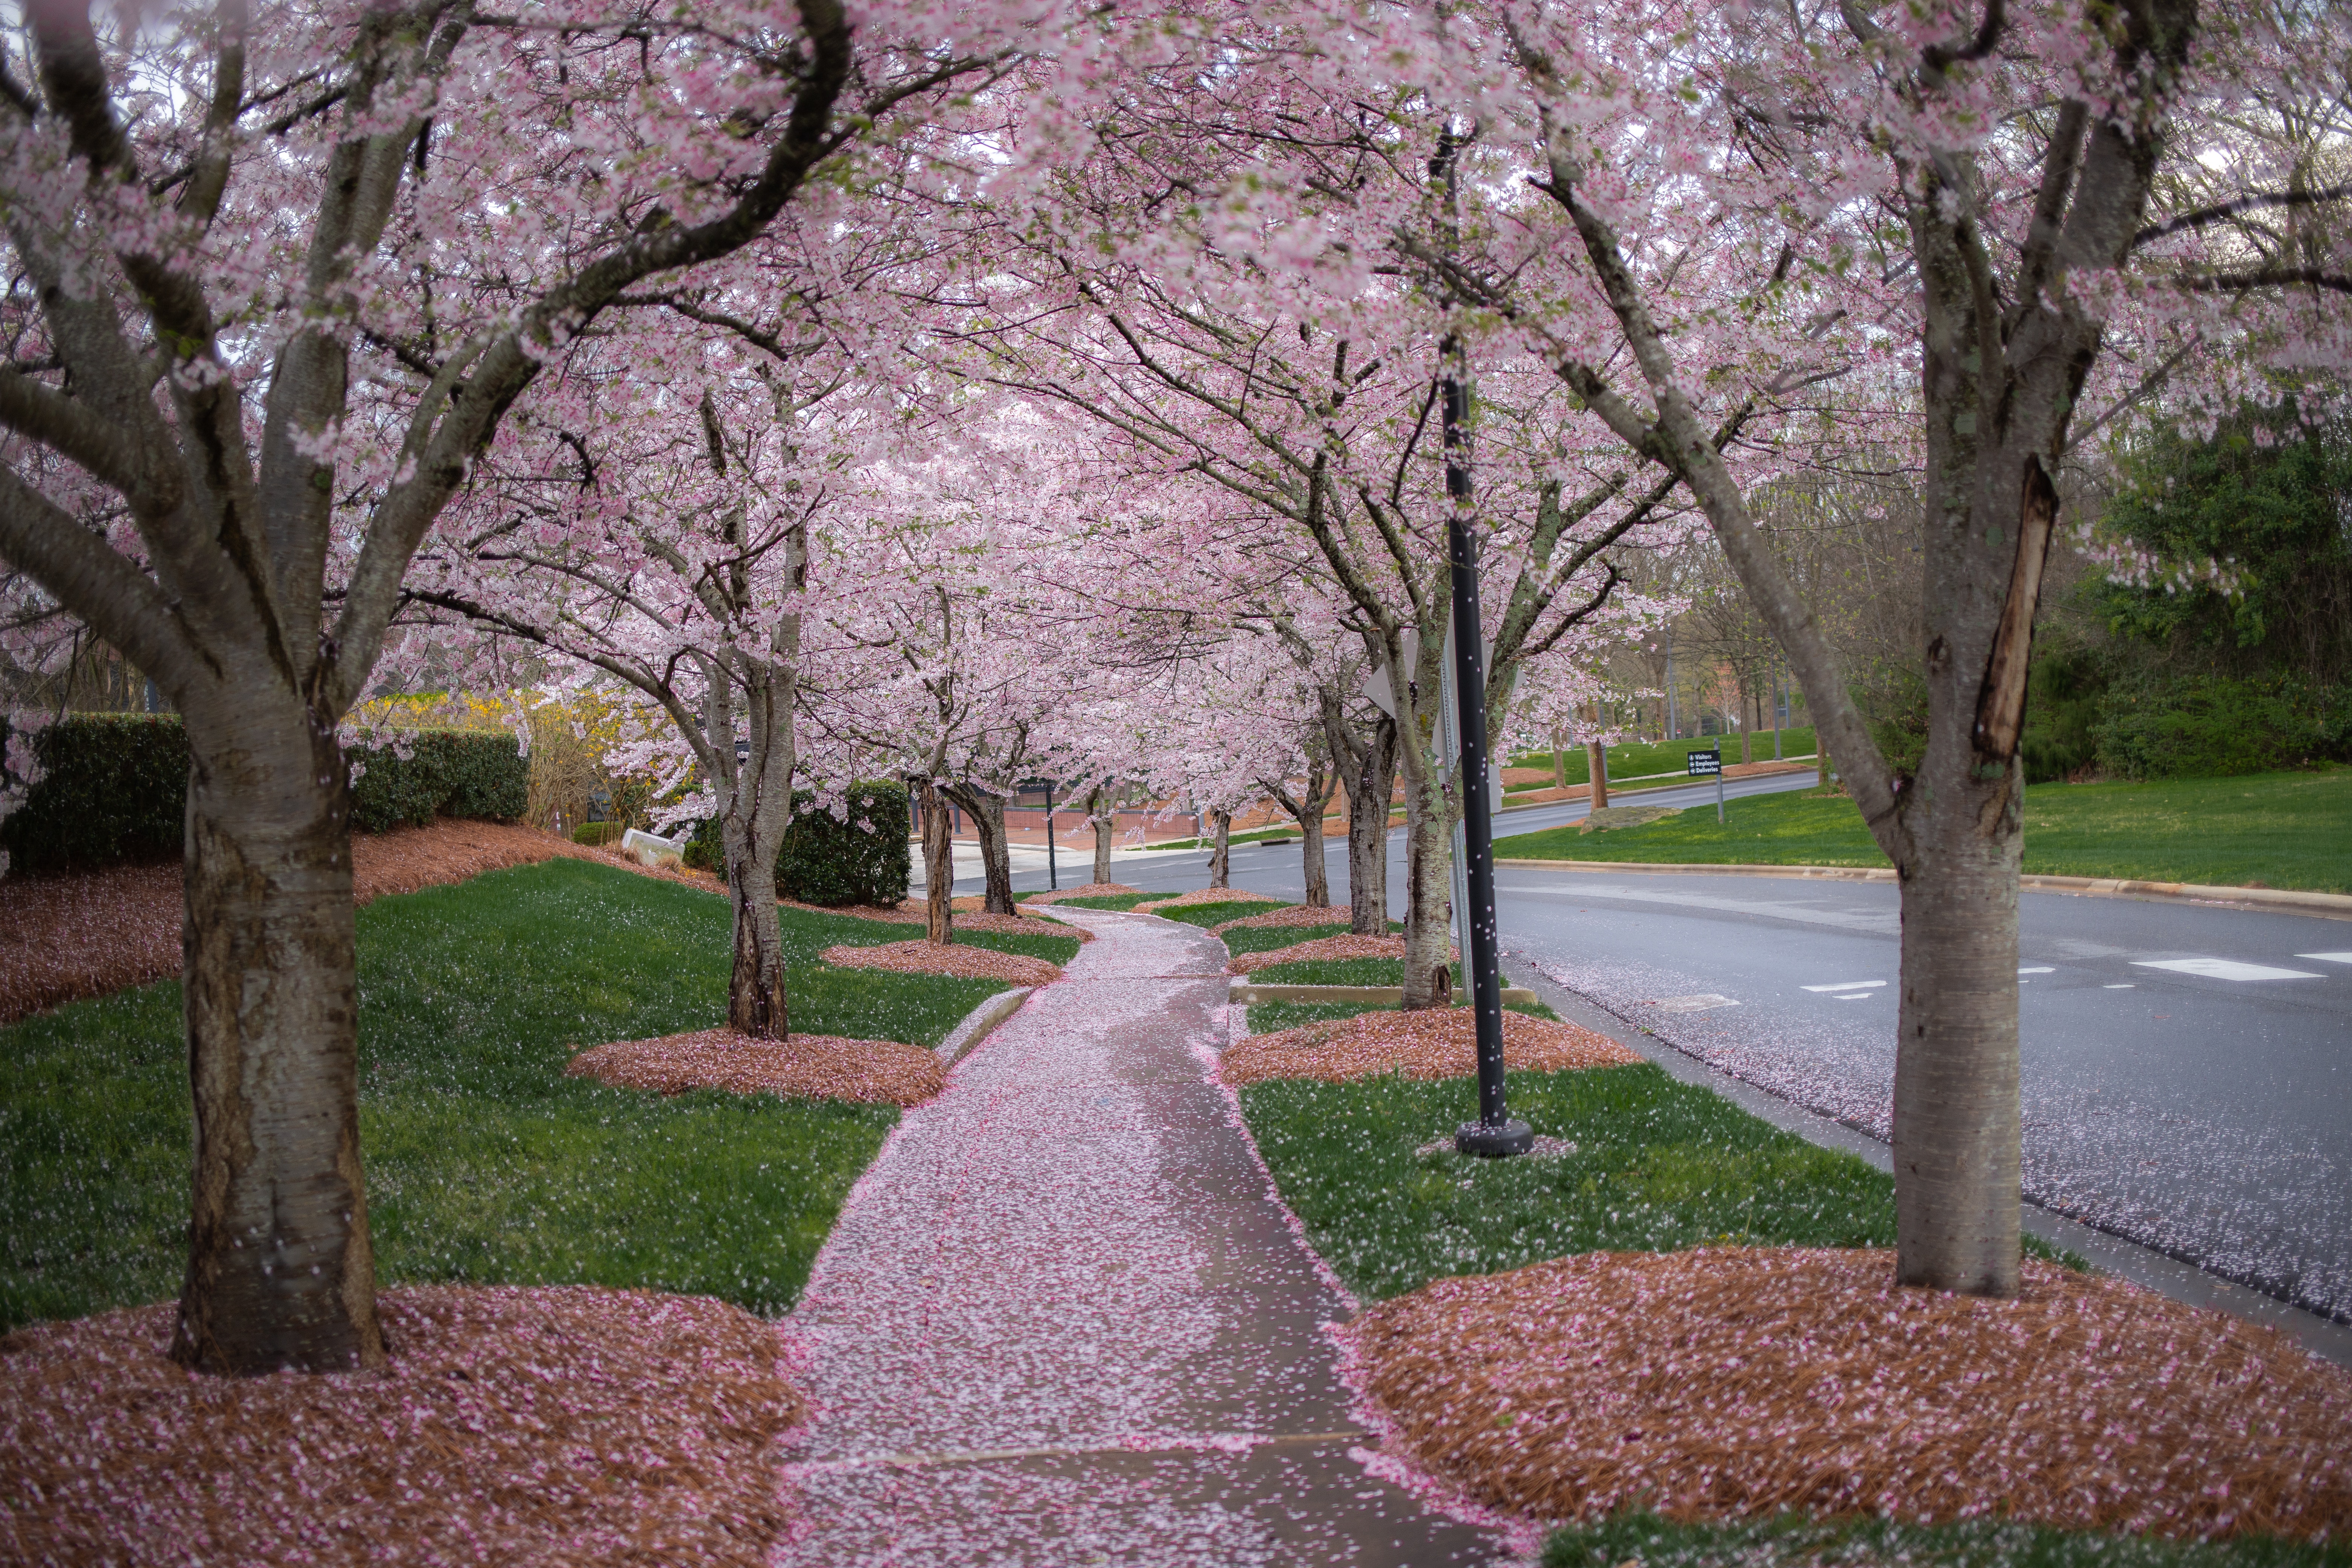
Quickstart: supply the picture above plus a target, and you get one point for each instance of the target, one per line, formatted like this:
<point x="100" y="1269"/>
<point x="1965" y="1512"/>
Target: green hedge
<point x="2216" y="727"/>
<point x="863" y="860"/>
<point x="115" y="790"/>
<point x="477" y="773"/>
<point x="826" y="861"/>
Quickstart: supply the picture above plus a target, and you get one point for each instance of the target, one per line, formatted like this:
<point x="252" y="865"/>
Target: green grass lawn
<point x="1341" y="972"/>
<point x="1100" y="901"/>
<point x="1658" y="1165"/>
<point x="484" y="1163"/>
<point x="2277" y="830"/>
<point x="1635" y="761"/>
<point x="1794" y="1541"/>
<point x="1240" y="907"/>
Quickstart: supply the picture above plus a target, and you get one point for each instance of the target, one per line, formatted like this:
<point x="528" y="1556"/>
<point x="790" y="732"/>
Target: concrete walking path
<point x="1061" y="1322"/>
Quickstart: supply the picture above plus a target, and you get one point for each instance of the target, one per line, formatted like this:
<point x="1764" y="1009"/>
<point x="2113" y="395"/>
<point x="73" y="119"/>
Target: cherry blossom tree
<point x="1701" y="218"/>
<point x="279" y="275"/>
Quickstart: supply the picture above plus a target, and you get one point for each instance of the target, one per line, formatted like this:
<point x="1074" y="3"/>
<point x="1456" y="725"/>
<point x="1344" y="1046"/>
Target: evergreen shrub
<point x="864" y="860"/>
<point x="114" y="789"/>
<point x="114" y="792"/>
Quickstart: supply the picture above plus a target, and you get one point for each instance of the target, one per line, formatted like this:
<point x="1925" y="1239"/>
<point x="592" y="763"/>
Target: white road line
<point x="1850" y="985"/>
<point x="1856" y="997"/>
<point x="2328" y="957"/>
<point x="2039" y="968"/>
<point x="2118" y="987"/>
<point x="2224" y="969"/>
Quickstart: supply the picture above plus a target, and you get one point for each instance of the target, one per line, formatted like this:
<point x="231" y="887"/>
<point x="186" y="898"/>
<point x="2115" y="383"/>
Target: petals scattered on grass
<point x="1199" y="896"/>
<point x="910" y="913"/>
<point x="1428" y="1042"/>
<point x="1349" y="945"/>
<point x="813" y="1066"/>
<point x="548" y="1425"/>
<point x="930" y="958"/>
<point x="1091" y="890"/>
<point x="1739" y="1381"/>
<point x="62" y="938"/>
<point x="1289" y="915"/>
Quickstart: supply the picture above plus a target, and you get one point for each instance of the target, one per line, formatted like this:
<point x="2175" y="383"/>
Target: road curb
<point x="2328" y="906"/>
<point x="979" y="1022"/>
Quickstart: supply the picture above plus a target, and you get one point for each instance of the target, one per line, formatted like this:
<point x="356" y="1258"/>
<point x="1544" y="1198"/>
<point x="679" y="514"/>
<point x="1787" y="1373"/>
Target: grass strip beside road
<point x="1658" y="1166"/>
<point x="1799" y="1540"/>
<point x="485" y="1165"/>
<point x="2273" y="830"/>
<point x="1639" y="759"/>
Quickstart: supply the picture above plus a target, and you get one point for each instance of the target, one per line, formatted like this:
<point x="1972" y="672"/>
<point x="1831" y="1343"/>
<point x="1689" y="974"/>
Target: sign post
<point x="1701" y="764"/>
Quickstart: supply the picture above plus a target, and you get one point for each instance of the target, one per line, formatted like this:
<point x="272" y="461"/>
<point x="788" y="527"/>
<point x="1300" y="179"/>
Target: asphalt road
<point x="2187" y="1068"/>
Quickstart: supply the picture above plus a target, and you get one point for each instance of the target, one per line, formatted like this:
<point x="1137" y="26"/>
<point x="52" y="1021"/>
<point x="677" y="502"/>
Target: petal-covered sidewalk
<point x="1061" y="1321"/>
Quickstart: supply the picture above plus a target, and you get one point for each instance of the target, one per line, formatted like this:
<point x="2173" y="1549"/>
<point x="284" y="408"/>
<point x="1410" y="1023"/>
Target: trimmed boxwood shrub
<point x="477" y="773"/>
<point x="115" y="789"/>
<point x="824" y="860"/>
<point x="864" y="860"/>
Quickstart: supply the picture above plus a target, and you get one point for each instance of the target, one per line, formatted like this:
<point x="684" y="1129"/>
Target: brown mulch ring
<point x="1199" y="896"/>
<point x="1426" y="1043"/>
<point x="1739" y="1381"/>
<point x="1091" y="890"/>
<point x="974" y="918"/>
<point x="1348" y="945"/>
<point x="1289" y="915"/>
<point x="552" y="1425"/>
<point x="930" y="958"/>
<point x="62" y="938"/>
<point x="813" y="1067"/>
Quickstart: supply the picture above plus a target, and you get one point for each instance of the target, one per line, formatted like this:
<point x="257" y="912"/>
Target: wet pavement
<point x="1061" y="1322"/>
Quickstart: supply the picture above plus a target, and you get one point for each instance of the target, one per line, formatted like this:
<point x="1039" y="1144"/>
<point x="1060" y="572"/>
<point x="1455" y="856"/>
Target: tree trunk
<point x="280" y="1272"/>
<point x="1221" y="858"/>
<point x="1369" y="784"/>
<point x="751" y="835"/>
<point x="1105" y="818"/>
<point x="1428" y="870"/>
<point x="1318" y="873"/>
<point x="996" y="854"/>
<point x="1956" y="1060"/>
<point x="1596" y="764"/>
<point x="1746" y="727"/>
<point x="1559" y="759"/>
<point x="939" y="867"/>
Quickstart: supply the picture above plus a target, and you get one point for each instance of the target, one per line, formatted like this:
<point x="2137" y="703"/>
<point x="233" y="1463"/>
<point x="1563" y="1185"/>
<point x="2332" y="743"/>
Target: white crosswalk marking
<point x="2037" y="969"/>
<point x="2223" y="968"/>
<point x="2328" y="957"/>
<point x="1850" y="985"/>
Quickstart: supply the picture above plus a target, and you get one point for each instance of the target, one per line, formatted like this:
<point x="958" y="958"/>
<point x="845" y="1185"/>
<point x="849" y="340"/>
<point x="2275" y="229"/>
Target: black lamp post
<point x="1494" y="1134"/>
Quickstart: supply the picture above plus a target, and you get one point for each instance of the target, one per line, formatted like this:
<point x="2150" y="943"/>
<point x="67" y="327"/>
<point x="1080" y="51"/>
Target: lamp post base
<point x="1493" y="1143"/>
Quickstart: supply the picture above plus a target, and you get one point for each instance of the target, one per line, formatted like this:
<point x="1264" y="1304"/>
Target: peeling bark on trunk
<point x="280" y="1272"/>
<point x="939" y="865"/>
<point x="1220" y="857"/>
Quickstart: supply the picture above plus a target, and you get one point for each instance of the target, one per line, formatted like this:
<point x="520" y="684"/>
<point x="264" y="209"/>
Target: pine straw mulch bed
<point x="63" y="938"/>
<point x="955" y="959"/>
<point x="814" y="1066"/>
<point x="1324" y="947"/>
<point x="556" y="1424"/>
<point x="1739" y="1381"/>
<point x="1426" y="1043"/>
<point x="1091" y="890"/>
<point x="1289" y="915"/>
